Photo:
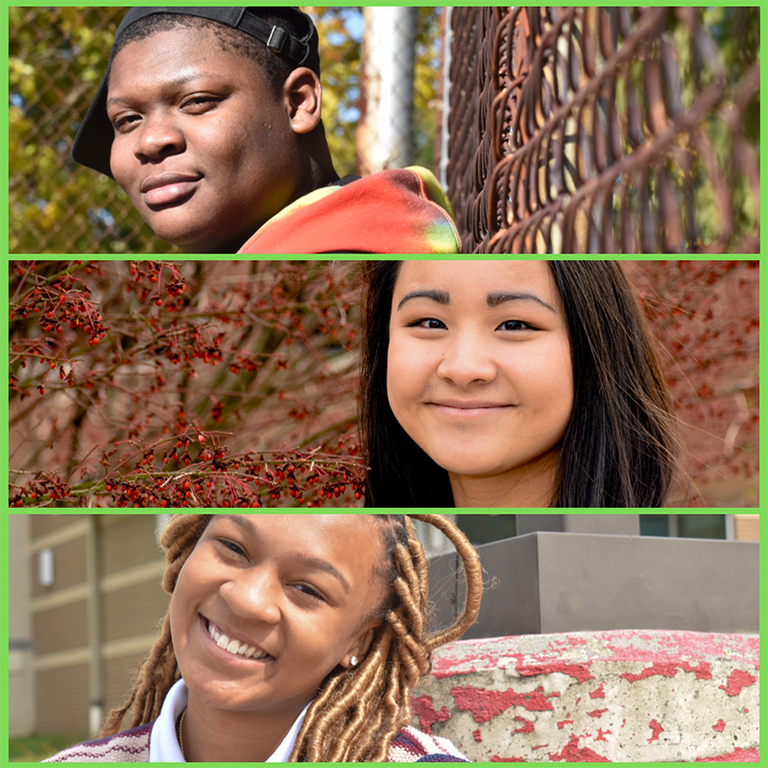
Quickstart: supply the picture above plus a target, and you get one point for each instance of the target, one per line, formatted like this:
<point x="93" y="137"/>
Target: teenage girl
<point x="288" y="638"/>
<point x="511" y="384"/>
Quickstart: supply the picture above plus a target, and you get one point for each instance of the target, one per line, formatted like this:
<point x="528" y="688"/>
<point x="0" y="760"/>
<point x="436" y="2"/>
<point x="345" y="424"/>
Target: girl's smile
<point x="265" y="608"/>
<point x="479" y="372"/>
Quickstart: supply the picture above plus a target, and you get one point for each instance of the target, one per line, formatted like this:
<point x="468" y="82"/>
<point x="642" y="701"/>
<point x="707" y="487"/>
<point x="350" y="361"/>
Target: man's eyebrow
<point x="497" y="299"/>
<point x="317" y="563"/>
<point x="441" y="297"/>
<point x="170" y="85"/>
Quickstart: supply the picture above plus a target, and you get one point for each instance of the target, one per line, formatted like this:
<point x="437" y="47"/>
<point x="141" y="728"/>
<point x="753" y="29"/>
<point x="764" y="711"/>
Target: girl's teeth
<point x="233" y="646"/>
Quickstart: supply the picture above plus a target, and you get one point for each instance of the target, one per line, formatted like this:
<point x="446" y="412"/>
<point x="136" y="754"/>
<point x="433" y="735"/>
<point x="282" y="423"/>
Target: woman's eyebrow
<point x="496" y="299"/>
<point x="441" y="297"/>
<point x="312" y="562"/>
<point x="318" y="564"/>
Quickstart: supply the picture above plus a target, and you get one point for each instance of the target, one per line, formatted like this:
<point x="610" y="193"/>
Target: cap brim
<point x="92" y="146"/>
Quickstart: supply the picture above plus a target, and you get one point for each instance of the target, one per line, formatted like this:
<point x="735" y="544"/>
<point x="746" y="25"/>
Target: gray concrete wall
<point x="622" y="696"/>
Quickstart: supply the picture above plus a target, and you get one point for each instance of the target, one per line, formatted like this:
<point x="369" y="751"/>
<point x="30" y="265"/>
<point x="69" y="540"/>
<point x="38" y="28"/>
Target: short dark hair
<point x="620" y="444"/>
<point x="275" y="67"/>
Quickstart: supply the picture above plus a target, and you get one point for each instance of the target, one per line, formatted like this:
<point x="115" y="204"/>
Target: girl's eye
<point x="427" y="322"/>
<point x="515" y="325"/>
<point x="308" y="591"/>
<point x="232" y="547"/>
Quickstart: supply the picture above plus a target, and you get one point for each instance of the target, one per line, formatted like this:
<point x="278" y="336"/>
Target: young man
<point x="210" y="119"/>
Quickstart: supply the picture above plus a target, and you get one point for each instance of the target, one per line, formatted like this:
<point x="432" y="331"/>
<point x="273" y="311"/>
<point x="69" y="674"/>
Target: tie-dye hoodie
<point x="401" y="211"/>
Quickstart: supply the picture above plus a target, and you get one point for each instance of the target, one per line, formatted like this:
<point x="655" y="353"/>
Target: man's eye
<point x="123" y="122"/>
<point x="198" y="104"/>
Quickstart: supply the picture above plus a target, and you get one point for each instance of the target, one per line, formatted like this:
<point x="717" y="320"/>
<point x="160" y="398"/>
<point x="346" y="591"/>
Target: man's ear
<point x="303" y="95"/>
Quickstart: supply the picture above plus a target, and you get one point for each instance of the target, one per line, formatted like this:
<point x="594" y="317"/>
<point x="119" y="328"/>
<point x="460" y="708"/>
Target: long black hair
<point x="619" y="448"/>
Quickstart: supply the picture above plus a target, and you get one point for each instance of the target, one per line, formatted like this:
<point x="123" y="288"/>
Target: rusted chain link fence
<point x="605" y="130"/>
<point x="57" y="57"/>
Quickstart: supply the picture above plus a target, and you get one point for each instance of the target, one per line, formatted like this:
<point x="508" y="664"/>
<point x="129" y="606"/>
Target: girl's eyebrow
<point x="441" y="297"/>
<point x="496" y="299"/>
<point x="317" y="563"/>
<point x="493" y="299"/>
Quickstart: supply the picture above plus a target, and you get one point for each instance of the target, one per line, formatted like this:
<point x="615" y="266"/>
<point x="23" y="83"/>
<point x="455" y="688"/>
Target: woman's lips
<point x="168" y="188"/>
<point x="229" y="648"/>
<point x="454" y="408"/>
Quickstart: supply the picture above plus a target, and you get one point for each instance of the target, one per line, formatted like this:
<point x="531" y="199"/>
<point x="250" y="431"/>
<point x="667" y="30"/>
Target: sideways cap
<point x="93" y="142"/>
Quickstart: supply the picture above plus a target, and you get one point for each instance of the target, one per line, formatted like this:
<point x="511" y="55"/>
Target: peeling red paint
<point x="485" y="705"/>
<point x="737" y="680"/>
<point x="578" y="671"/>
<point x="572" y="753"/>
<point x="681" y="644"/>
<point x="670" y="670"/>
<point x="655" y="726"/>
<point x="477" y="735"/>
<point x="738" y="755"/>
<point x="561" y="723"/>
<point x="623" y="722"/>
<point x="597" y="712"/>
<point x="719" y="726"/>
<point x="497" y="759"/>
<point x="527" y="728"/>
<point x="424" y="708"/>
<point x="601" y="734"/>
<point x="598" y="693"/>
<point x="541" y="746"/>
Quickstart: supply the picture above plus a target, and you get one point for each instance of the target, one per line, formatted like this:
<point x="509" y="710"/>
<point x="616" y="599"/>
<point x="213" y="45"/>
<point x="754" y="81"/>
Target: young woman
<point x="511" y="384"/>
<point x="288" y="638"/>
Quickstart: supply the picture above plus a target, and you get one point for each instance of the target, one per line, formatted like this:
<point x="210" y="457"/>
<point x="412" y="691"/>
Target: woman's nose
<point x="254" y="594"/>
<point x="466" y="361"/>
<point x="159" y="137"/>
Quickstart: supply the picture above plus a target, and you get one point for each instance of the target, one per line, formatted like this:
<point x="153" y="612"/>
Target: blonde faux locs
<point x="357" y="712"/>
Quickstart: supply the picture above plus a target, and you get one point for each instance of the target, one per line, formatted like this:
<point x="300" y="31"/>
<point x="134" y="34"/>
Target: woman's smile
<point x="479" y="370"/>
<point x="235" y="650"/>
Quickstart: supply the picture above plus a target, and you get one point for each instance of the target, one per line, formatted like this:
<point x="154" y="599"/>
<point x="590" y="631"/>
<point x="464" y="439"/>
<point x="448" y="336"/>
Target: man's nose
<point x="158" y="137"/>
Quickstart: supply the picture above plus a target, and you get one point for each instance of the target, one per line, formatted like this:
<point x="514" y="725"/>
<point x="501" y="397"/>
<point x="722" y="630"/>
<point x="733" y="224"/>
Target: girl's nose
<point x="254" y="594"/>
<point x="466" y="361"/>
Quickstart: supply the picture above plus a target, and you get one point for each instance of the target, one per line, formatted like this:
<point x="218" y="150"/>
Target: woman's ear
<point x="303" y="95"/>
<point x="360" y="647"/>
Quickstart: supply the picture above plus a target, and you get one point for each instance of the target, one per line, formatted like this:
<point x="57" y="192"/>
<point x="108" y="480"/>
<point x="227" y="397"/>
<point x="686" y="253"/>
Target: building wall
<point x="95" y="624"/>
<point x="21" y="716"/>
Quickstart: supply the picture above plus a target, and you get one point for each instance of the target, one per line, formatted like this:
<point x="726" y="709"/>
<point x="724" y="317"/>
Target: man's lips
<point x="168" y="187"/>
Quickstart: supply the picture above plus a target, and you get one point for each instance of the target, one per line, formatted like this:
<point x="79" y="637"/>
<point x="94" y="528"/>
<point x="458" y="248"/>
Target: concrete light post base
<point x="615" y="696"/>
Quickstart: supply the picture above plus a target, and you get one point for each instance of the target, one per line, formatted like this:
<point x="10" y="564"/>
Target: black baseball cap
<point x="93" y="142"/>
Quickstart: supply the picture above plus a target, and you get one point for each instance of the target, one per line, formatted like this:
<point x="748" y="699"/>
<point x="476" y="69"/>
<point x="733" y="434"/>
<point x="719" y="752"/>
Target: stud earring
<point x="353" y="661"/>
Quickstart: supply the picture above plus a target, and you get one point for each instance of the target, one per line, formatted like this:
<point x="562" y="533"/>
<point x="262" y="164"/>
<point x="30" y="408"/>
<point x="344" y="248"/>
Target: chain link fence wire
<point x="57" y="58"/>
<point x="605" y="130"/>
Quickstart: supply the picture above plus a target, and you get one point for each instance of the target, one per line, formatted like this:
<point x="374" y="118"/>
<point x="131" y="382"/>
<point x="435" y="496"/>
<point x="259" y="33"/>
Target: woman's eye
<point x="232" y="547"/>
<point x="307" y="590"/>
<point x="515" y="325"/>
<point x="427" y="322"/>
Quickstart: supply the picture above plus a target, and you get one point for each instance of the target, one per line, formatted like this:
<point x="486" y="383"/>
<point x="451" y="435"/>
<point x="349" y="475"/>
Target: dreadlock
<point x="357" y="712"/>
